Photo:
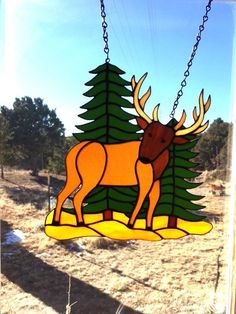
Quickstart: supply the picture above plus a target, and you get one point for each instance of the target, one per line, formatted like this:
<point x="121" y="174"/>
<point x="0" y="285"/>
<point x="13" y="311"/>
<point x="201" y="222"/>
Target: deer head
<point x="157" y="137"/>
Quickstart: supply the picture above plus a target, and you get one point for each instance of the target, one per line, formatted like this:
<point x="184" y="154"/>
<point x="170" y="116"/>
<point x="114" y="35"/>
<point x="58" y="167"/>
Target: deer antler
<point x="155" y="113"/>
<point x="139" y="104"/>
<point x="196" y="127"/>
<point x="181" y="121"/>
<point x="206" y="106"/>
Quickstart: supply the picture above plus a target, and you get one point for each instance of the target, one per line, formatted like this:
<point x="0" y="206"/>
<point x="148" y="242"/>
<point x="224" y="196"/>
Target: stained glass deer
<point x="135" y="163"/>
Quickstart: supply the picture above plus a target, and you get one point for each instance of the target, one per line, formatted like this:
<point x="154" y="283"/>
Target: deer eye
<point x="150" y="134"/>
<point x="163" y="141"/>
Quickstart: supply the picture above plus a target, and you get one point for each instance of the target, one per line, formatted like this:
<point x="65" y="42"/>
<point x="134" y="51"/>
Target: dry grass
<point x="176" y="276"/>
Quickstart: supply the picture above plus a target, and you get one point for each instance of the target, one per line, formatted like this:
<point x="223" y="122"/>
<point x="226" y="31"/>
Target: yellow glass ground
<point x="117" y="228"/>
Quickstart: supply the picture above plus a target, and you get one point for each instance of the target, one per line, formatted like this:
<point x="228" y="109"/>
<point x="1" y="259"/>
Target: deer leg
<point x="145" y="180"/>
<point x="91" y="166"/>
<point x="72" y="180"/>
<point x="154" y="196"/>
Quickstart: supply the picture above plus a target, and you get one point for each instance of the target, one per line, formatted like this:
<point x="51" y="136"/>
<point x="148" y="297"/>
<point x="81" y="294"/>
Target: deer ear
<point x="142" y="123"/>
<point x="179" y="140"/>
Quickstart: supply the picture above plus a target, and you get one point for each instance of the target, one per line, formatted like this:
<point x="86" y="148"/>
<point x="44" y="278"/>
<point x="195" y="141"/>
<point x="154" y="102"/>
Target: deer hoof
<point x="80" y="224"/>
<point x="56" y="223"/>
<point x="149" y="228"/>
<point x="129" y="225"/>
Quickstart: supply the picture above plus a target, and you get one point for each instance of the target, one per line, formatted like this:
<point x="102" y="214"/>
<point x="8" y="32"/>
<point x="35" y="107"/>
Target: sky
<point x="48" y="48"/>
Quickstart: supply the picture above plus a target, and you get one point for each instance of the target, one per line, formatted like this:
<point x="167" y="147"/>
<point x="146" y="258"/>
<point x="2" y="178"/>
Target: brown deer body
<point x="139" y="163"/>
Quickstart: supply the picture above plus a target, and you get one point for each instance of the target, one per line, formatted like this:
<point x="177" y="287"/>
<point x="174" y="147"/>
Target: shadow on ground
<point x="73" y="247"/>
<point x="50" y="285"/>
<point x="56" y="184"/>
<point x="212" y="217"/>
<point x="21" y="194"/>
<point x="27" y="196"/>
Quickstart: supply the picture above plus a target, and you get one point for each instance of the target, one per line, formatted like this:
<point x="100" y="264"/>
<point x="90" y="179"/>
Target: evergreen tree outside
<point x="213" y="146"/>
<point x="55" y="162"/>
<point x="35" y="131"/>
<point x="6" y="151"/>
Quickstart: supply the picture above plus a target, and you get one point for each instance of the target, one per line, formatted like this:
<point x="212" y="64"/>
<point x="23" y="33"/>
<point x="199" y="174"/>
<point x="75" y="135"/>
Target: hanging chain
<point x="105" y="33"/>
<point x="190" y="62"/>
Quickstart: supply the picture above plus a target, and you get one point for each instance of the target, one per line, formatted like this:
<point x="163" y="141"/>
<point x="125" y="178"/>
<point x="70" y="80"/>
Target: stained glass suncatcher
<point x="127" y="185"/>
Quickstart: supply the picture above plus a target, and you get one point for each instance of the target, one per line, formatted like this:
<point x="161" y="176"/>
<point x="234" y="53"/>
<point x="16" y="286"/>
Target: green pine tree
<point x="175" y="200"/>
<point x="109" y="124"/>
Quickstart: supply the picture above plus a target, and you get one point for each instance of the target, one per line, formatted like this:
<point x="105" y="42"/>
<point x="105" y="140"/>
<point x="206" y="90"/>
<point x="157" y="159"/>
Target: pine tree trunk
<point x="49" y="192"/>
<point x="107" y="214"/>
<point x="34" y="172"/>
<point x="2" y="172"/>
<point x="172" y="222"/>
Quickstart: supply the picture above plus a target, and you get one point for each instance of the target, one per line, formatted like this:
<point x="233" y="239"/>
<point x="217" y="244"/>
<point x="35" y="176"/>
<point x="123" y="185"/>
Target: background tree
<point x="56" y="162"/>
<point x="213" y="146"/>
<point x="36" y="130"/>
<point x="6" y="152"/>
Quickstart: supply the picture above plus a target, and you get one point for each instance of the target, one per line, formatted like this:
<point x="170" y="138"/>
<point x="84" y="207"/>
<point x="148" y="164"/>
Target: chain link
<point x="105" y="33"/>
<point x="190" y="62"/>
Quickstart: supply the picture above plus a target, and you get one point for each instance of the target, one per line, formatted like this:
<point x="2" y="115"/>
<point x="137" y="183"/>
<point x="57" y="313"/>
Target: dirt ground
<point x="183" y="276"/>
